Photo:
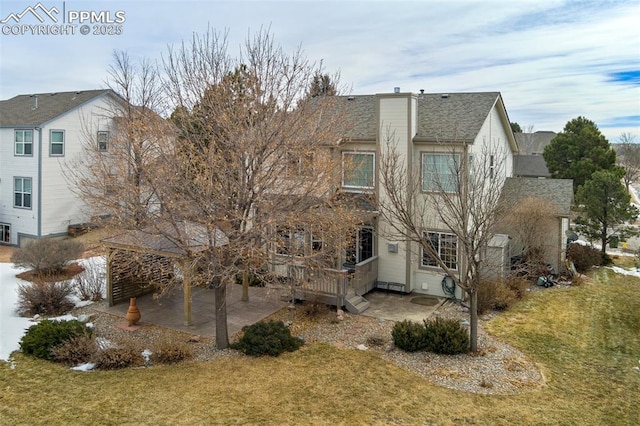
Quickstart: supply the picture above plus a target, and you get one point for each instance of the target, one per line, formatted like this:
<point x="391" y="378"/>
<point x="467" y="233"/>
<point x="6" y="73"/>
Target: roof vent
<point x="422" y="91"/>
<point x="35" y="102"/>
<point x="396" y="90"/>
<point x="445" y="96"/>
<point x="350" y="98"/>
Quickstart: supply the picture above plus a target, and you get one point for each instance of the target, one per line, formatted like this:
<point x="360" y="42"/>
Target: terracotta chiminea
<point x="133" y="313"/>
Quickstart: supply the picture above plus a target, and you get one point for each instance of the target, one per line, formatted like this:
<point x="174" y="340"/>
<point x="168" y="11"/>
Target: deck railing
<point x="365" y="276"/>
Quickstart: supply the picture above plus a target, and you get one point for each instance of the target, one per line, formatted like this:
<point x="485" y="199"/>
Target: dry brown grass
<point x="586" y="339"/>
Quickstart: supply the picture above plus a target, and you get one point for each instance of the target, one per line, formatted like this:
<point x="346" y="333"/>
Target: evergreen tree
<point x="605" y="208"/>
<point x="579" y="151"/>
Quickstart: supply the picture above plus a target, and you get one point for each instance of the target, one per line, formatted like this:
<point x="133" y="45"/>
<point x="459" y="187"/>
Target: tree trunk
<point x="245" y="286"/>
<point x="473" y="322"/>
<point x="222" y="334"/>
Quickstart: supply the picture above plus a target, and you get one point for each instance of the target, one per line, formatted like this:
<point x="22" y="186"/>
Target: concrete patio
<point x="168" y="310"/>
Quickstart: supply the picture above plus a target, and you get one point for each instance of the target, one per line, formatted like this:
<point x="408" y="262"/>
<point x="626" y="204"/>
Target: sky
<point x="552" y="60"/>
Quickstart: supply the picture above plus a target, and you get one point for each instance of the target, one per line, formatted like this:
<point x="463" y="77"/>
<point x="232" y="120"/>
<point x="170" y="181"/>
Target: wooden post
<point x="186" y="290"/>
<point x="245" y="286"/>
<point x="109" y="278"/>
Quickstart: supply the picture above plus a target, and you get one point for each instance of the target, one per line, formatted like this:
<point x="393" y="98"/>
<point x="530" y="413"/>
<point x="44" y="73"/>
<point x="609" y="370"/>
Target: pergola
<point x="138" y="261"/>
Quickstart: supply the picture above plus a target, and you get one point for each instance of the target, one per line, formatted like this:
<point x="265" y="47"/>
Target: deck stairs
<point x="356" y="304"/>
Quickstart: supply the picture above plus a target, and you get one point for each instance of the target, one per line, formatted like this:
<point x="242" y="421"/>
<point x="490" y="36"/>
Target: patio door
<point x="361" y="247"/>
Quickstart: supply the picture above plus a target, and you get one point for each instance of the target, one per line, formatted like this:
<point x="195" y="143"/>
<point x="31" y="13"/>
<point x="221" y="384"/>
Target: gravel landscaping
<point x="497" y="368"/>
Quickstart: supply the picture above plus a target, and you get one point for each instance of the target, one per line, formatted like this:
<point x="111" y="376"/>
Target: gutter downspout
<point x="39" y="210"/>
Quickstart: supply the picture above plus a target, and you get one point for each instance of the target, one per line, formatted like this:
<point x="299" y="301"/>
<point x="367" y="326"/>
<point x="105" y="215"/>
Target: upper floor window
<point x="440" y="172"/>
<point x="358" y="170"/>
<point x="56" y="147"/>
<point x="103" y="141"/>
<point x="22" y="192"/>
<point x="445" y="247"/>
<point x="24" y="142"/>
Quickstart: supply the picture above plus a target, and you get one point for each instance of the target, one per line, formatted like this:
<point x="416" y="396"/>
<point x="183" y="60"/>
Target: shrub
<point x="499" y="295"/>
<point x="44" y="298"/>
<point x="408" y="336"/>
<point x="267" y="338"/>
<point x="41" y="338"/>
<point x="47" y="256"/>
<point x="114" y="358"/>
<point x="89" y="285"/>
<point x="519" y="286"/>
<point x="167" y="351"/>
<point x="76" y="350"/>
<point x="376" y="340"/>
<point x="446" y="336"/>
<point x="583" y="257"/>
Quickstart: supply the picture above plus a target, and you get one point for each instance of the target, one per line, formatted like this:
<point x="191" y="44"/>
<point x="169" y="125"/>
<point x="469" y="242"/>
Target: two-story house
<point x="40" y="134"/>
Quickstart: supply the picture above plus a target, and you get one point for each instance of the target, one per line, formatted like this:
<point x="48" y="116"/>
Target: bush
<point x="76" y="350"/>
<point x="40" y="339"/>
<point x="44" y="298"/>
<point x="118" y="357"/>
<point x="584" y="257"/>
<point x="89" y="285"/>
<point x="446" y="336"/>
<point x="169" y="352"/>
<point x="409" y="336"/>
<point x="500" y="295"/>
<point x="267" y="338"/>
<point x="47" y="256"/>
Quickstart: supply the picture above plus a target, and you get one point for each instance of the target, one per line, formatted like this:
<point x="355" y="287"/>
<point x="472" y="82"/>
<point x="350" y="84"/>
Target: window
<point x="361" y="247"/>
<point x="440" y="172"/>
<point x="103" y="141"/>
<point x="492" y="167"/>
<point x="358" y="170"/>
<point x="56" y="147"/>
<point x="24" y="142"/>
<point x="22" y="192"/>
<point x="445" y="246"/>
<point x="299" y="165"/>
<point x="290" y="241"/>
<point x="5" y="233"/>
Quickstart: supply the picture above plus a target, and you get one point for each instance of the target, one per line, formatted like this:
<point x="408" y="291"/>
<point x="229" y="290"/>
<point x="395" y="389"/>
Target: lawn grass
<point x="586" y="340"/>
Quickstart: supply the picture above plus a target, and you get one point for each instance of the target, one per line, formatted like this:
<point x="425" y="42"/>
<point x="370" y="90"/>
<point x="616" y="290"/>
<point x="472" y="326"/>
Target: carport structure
<point x="143" y="261"/>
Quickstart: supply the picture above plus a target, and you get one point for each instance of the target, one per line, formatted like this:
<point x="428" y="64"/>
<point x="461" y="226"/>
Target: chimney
<point x="35" y="102"/>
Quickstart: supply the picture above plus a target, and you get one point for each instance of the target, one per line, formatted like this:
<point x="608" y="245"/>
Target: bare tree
<point x="121" y="143"/>
<point x="250" y="159"/>
<point x="461" y="194"/>
<point x="629" y="157"/>
<point x="530" y="222"/>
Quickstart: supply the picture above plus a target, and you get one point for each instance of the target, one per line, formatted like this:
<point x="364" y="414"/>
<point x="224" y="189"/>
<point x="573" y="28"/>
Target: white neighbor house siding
<point x="52" y="197"/>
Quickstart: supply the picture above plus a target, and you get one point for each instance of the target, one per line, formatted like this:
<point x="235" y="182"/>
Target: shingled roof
<point x="21" y="110"/>
<point x="455" y="116"/>
<point x="557" y="191"/>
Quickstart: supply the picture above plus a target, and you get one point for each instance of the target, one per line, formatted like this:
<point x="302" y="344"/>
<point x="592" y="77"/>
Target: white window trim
<point x="440" y="234"/>
<point x="51" y="142"/>
<point x="6" y="237"/>
<point x="422" y="165"/>
<point x="22" y="192"/>
<point x="106" y="142"/>
<point x="15" y="143"/>
<point x="355" y="187"/>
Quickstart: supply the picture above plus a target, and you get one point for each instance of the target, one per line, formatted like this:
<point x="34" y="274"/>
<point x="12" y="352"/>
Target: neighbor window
<point x="22" y="192"/>
<point x="440" y="172"/>
<point x="445" y="247"/>
<point x="5" y="233"/>
<point x="24" y="142"/>
<point x="57" y="143"/>
<point x="358" y="170"/>
<point x="299" y="164"/>
<point x="103" y="141"/>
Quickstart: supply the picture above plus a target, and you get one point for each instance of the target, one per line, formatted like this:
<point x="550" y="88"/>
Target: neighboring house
<point x="425" y="129"/>
<point x="533" y="143"/>
<point x="40" y="134"/>
<point x="530" y="166"/>
<point x="558" y="194"/>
